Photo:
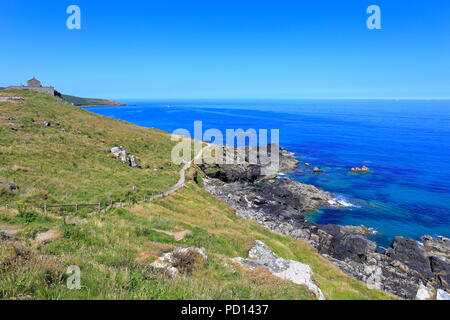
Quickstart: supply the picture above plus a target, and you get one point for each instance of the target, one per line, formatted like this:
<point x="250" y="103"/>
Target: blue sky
<point x="169" y="49"/>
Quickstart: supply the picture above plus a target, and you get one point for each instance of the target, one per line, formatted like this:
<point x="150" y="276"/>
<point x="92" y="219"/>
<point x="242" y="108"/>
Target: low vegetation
<point x="68" y="166"/>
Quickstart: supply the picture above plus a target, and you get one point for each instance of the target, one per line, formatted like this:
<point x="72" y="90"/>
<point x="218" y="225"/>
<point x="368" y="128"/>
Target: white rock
<point x="167" y="259"/>
<point x="299" y="273"/>
<point x="424" y="293"/>
<point x="442" y="295"/>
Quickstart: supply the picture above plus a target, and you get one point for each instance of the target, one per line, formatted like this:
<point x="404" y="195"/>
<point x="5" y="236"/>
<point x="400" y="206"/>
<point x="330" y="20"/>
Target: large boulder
<point x="175" y="261"/>
<point x="344" y="245"/>
<point x="424" y="293"/>
<point x="262" y="257"/>
<point x="442" y="295"/>
<point x="121" y="154"/>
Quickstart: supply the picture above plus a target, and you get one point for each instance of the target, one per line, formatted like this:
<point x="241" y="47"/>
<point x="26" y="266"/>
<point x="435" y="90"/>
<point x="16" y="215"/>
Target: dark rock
<point x="252" y="169"/>
<point x="50" y="124"/>
<point x="410" y="253"/>
<point x="442" y="270"/>
<point x="9" y="186"/>
<point x="4" y="236"/>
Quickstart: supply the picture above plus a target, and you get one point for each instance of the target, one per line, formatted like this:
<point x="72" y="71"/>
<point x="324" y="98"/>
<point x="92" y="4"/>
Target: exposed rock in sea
<point x="357" y="230"/>
<point x="404" y="268"/>
<point x="128" y="159"/>
<point x="363" y="169"/>
<point x="250" y="164"/>
<point x="262" y="257"/>
<point x="283" y="198"/>
<point x="317" y="170"/>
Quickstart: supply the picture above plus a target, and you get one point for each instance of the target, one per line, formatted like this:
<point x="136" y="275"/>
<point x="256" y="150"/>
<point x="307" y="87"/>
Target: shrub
<point x="184" y="261"/>
<point x="28" y="216"/>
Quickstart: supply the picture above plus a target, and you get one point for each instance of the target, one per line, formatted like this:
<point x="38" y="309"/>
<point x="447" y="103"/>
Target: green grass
<point x="53" y="166"/>
<point x="114" y="248"/>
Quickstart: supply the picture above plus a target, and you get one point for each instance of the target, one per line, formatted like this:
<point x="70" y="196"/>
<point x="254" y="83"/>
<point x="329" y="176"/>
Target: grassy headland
<point x="113" y="248"/>
<point x="78" y="101"/>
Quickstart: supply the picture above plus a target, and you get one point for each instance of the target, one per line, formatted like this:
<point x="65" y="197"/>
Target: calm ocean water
<point x="406" y="144"/>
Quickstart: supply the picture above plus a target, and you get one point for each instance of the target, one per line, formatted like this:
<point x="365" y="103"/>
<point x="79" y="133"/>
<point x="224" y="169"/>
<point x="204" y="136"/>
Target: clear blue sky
<point x="229" y="49"/>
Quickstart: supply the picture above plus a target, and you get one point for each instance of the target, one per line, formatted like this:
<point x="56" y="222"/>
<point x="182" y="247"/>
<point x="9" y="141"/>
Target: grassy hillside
<point x="113" y="248"/>
<point x="78" y="101"/>
<point x="51" y="165"/>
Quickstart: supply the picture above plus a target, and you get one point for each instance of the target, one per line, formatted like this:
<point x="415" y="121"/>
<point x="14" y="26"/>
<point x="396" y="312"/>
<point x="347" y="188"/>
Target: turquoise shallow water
<point x="405" y="143"/>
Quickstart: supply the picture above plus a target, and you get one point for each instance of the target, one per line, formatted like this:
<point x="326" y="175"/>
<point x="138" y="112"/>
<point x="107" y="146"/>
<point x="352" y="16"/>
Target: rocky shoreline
<point x="406" y="269"/>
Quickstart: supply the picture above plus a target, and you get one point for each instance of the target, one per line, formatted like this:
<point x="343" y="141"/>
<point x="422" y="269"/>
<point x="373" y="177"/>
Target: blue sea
<point x="405" y="143"/>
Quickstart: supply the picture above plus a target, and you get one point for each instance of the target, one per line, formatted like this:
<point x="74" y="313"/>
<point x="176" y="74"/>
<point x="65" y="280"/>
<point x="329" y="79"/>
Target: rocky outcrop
<point x="121" y="154"/>
<point x="11" y="99"/>
<point x="262" y="257"/>
<point x="363" y="169"/>
<point x="50" y="124"/>
<point x="439" y="247"/>
<point x="357" y="230"/>
<point x="401" y="270"/>
<point x="345" y="247"/>
<point x="173" y="262"/>
<point x="246" y="169"/>
<point x="285" y="198"/>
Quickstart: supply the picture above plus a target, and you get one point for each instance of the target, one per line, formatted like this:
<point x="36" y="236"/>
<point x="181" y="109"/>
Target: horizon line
<point x="297" y="98"/>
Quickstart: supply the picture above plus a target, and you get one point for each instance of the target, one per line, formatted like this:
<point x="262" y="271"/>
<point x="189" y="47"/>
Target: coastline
<point x="106" y="106"/>
<point x="405" y="269"/>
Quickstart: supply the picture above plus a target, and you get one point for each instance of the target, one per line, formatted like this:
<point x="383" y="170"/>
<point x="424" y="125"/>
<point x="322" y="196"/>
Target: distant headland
<point x="35" y="85"/>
